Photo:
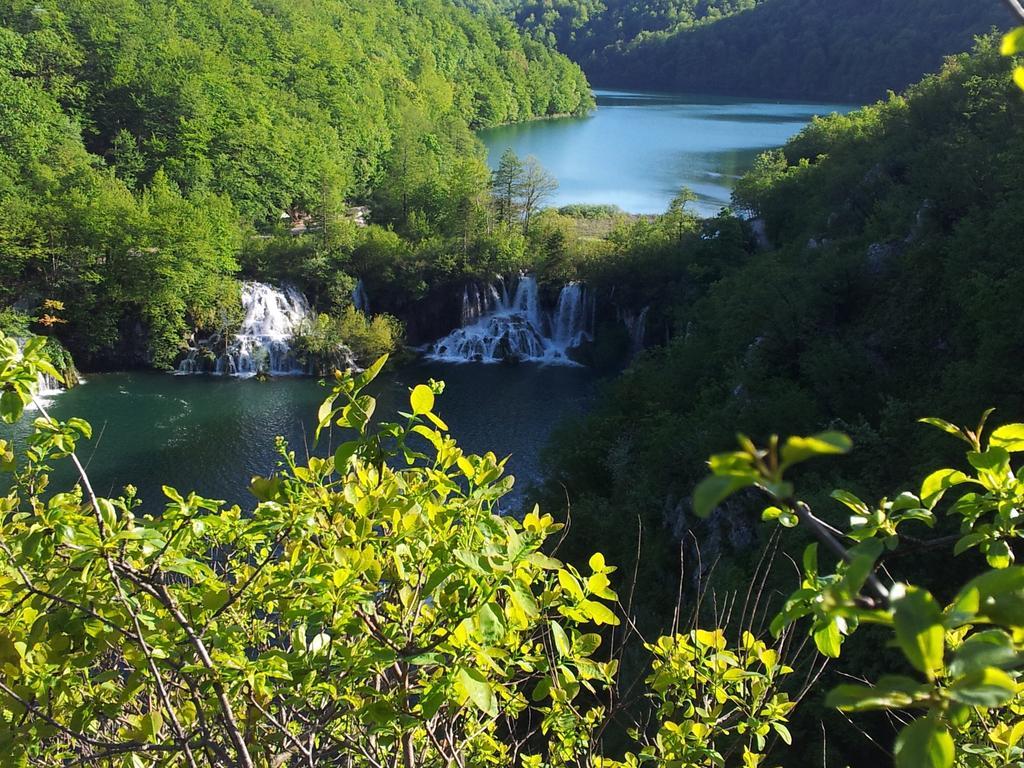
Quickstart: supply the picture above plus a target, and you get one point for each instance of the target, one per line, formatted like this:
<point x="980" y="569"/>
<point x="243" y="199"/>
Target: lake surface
<point x="638" y="149"/>
<point x="212" y="434"/>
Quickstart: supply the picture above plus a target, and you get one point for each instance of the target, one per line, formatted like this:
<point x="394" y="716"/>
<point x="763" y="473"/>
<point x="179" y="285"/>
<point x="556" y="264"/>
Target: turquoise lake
<point x="212" y="434"/>
<point x="636" y="150"/>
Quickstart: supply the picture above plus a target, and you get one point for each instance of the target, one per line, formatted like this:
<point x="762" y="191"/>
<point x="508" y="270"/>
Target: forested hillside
<point x="141" y="142"/>
<point x="587" y="29"/>
<point x="891" y="292"/>
<point x="800" y="48"/>
<point x="844" y="50"/>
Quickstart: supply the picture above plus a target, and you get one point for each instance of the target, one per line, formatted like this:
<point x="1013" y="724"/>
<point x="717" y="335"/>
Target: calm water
<point x="211" y="435"/>
<point x="638" y="149"/>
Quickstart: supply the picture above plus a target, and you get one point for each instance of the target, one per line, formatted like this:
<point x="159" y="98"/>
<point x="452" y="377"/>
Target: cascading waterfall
<point x="263" y="343"/>
<point x="46" y="386"/>
<point x="636" y="324"/>
<point x="360" y="298"/>
<point x="497" y="328"/>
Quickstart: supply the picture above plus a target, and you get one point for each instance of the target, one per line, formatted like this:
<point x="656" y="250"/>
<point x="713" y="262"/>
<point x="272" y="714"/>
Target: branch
<point x="823" y="534"/>
<point x="111" y="747"/>
<point x="165" y="699"/>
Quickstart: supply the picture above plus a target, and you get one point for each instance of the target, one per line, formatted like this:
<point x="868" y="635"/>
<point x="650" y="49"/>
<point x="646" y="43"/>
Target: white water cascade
<point x="497" y="328"/>
<point x="360" y="298"/>
<point x="46" y="387"/>
<point x="263" y="343"/>
<point x="636" y="325"/>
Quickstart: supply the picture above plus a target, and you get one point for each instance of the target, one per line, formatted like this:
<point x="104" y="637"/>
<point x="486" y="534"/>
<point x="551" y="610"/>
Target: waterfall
<point x="360" y="298"/>
<point x="637" y="327"/>
<point x="46" y="386"/>
<point x="477" y="301"/>
<point x="263" y="343"/>
<point x="497" y="328"/>
<point x="570" y="321"/>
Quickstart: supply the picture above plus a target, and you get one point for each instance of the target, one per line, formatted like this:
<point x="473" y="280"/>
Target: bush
<point x="329" y="343"/>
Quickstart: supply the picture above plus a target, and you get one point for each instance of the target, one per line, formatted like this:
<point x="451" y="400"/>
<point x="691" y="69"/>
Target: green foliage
<point x="967" y="655"/>
<point x="781" y="48"/>
<point x="592" y="32"/>
<point x="714" y="704"/>
<point x="327" y="343"/>
<point x="360" y="609"/>
<point x="140" y="149"/>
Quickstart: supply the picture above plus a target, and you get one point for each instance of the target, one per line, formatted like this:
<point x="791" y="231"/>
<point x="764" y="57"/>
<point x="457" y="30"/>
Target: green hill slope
<point x="844" y="50"/>
<point x="892" y="293"/>
<point x="141" y="141"/>
<point x="848" y="50"/>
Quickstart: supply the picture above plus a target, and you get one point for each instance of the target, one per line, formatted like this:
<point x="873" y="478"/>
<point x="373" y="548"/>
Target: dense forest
<point x="887" y="293"/>
<point x="149" y="150"/>
<point x="584" y="29"/>
<point x="774" y="48"/>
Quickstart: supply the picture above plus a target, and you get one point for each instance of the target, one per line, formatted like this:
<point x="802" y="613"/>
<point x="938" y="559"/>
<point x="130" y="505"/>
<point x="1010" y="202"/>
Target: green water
<point x="637" y="149"/>
<point x="211" y="434"/>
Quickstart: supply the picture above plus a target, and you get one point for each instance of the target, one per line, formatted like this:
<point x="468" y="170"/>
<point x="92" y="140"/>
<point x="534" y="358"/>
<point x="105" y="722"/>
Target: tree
<point x="505" y="185"/>
<point x="536" y="187"/>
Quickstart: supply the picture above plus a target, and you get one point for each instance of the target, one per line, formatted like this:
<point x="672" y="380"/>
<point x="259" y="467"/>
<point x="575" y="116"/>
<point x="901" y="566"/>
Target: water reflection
<point x="638" y="149"/>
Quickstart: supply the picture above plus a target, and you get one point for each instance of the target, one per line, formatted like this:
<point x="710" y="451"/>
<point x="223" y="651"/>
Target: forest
<point x="148" y="157"/>
<point x="769" y="48"/>
<point x="706" y="579"/>
<point x="885" y="296"/>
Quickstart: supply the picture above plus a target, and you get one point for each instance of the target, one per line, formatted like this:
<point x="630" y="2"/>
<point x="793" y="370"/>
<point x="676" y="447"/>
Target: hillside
<point x="891" y="294"/>
<point x="585" y="29"/>
<point x="772" y="48"/>
<point x="797" y="49"/>
<point x="142" y="142"/>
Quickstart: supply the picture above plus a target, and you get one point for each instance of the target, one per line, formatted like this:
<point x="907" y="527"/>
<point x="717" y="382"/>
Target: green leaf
<point x="421" y="399"/>
<point x="479" y="691"/>
<point x="996" y="596"/>
<point x="713" y="490"/>
<point x="344" y="454"/>
<point x="991" y="648"/>
<point x="917" y="620"/>
<point x="265" y="488"/>
<point x="370" y="373"/>
<point x="966" y="542"/>
<point x="925" y="743"/>
<point x="811" y="560"/>
<point x="851" y="501"/>
<point x="598" y="612"/>
<point x="490" y="621"/>
<point x="108" y="513"/>
<point x="561" y="639"/>
<point x="989" y="687"/>
<point x="11" y="406"/>
<point x="828" y="639"/>
<point x="938" y="482"/>
<point x="1013" y="42"/>
<point x="9" y="653"/>
<point x="799" y="449"/>
<point x="999" y="555"/>
<point x="891" y="692"/>
<point x="945" y="426"/>
<point x="1009" y="437"/>
<point x="995" y="461"/>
